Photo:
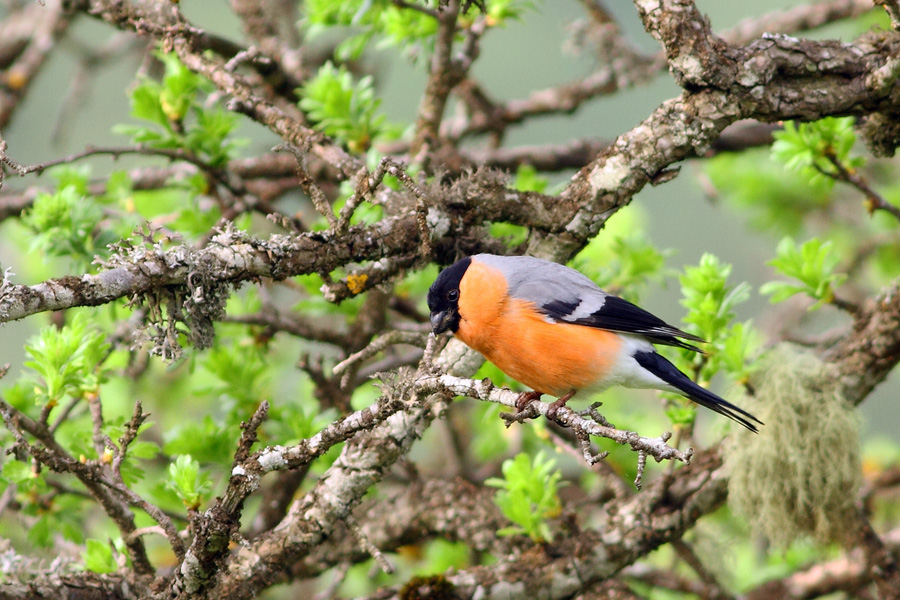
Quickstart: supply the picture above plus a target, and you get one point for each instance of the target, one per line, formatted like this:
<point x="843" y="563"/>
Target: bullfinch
<point x="551" y="328"/>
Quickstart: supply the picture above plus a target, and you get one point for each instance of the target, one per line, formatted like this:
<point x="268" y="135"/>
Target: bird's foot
<point x="556" y="405"/>
<point x="525" y="409"/>
<point x="526" y="398"/>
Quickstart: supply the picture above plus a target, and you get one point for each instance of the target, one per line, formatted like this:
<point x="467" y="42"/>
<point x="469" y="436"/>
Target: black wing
<point x="616" y="314"/>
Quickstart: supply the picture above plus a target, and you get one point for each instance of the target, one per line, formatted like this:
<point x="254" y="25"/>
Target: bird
<point x="550" y="327"/>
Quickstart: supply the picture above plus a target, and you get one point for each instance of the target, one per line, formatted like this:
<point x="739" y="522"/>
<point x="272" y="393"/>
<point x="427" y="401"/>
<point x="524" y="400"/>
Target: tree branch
<point x="872" y="349"/>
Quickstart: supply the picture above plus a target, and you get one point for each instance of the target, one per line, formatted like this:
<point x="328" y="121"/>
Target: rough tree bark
<point x="755" y="72"/>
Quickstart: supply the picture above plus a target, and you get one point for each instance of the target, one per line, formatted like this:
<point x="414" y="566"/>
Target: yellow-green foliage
<point x="801" y="474"/>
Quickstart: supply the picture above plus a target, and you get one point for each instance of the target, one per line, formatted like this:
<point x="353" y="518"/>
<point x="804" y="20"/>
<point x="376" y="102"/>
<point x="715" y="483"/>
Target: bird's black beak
<point x="440" y="321"/>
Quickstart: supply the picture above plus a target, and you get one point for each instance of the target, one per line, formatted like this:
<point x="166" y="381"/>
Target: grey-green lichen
<point x="801" y="474"/>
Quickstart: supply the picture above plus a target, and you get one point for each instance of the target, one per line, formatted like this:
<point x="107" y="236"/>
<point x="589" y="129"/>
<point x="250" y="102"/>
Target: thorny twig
<point x="612" y="479"/>
<point x="249" y="432"/>
<point x="9" y="161"/>
<point x="251" y="54"/>
<point x="114" y="456"/>
<point x="365" y="186"/>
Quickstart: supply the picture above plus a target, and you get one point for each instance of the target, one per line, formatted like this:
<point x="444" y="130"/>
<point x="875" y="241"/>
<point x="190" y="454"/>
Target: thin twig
<point x="250" y="429"/>
<point x="368" y="546"/>
<point x="485" y="390"/>
<point x="380" y="343"/>
<point x="389" y="166"/>
<point x="715" y="590"/>
<point x="319" y="200"/>
<point x="417" y="7"/>
<point x="874" y="200"/>
<point x="55" y="456"/>
<point x="619" y="487"/>
<point x="892" y="8"/>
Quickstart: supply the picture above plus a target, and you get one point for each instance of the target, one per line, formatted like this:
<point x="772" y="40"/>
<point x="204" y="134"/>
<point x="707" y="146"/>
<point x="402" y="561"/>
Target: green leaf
<point x="528" y="180"/>
<point x="739" y="351"/>
<point x="179" y="87"/>
<point x="168" y="107"/>
<point x="17" y="472"/>
<point x="77" y="178"/>
<point x="489" y="440"/>
<point x="680" y="412"/>
<point x="511" y="234"/>
<point x="812" y="264"/>
<point x="208" y="135"/>
<point x="241" y="375"/>
<point x="207" y="440"/>
<point x="808" y="148"/>
<point x="411" y="30"/>
<point x="344" y="109"/>
<point x="623" y="260"/>
<point x="69" y="360"/>
<point x="146" y="105"/>
<point x="65" y="223"/>
<point x="747" y="179"/>
<point x="528" y="494"/>
<point x="41" y="532"/>
<point x="711" y="304"/>
<point x="186" y="481"/>
<point x="98" y="557"/>
<point x="321" y="14"/>
<point x="501" y="11"/>
<point x="708" y="297"/>
<point x="441" y="555"/>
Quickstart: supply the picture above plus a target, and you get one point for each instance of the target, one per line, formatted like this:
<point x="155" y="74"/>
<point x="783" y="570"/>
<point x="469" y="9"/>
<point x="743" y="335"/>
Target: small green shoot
<point x="812" y="264"/>
<point x="711" y="303"/>
<point x="812" y="148"/>
<point x="528" y="495"/>
<point x="186" y="481"/>
<point x="739" y="351"/>
<point x="98" y="557"/>
<point x="68" y="221"/>
<point x="344" y="109"/>
<point x="709" y="299"/>
<point x="167" y="106"/>
<point x="69" y="361"/>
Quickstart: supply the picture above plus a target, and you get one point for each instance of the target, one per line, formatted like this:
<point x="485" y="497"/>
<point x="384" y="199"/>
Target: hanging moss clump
<point x="801" y="474"/>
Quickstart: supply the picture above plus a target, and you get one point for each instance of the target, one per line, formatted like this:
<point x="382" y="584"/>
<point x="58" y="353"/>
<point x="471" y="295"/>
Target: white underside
<point x="628" y="372"/>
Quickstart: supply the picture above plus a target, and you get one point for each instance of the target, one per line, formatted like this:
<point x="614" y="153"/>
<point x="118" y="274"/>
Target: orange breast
<point x="553" y="358"/>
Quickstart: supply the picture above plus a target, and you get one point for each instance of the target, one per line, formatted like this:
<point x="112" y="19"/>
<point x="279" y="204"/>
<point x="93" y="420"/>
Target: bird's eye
<point x="453" y="295"/>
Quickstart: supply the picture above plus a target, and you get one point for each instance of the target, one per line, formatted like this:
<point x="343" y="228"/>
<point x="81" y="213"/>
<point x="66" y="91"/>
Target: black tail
<point x="669" y="373"/>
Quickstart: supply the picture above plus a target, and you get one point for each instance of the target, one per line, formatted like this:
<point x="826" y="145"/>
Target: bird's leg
<point x="524" y="409"/>
<point x="525" y="398"/>
<point x="559" y="403"/>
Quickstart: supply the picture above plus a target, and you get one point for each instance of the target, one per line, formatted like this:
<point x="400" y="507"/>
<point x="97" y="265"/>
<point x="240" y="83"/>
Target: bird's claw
<point x="526" y="398"/>
<point x="556" y="405"/>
